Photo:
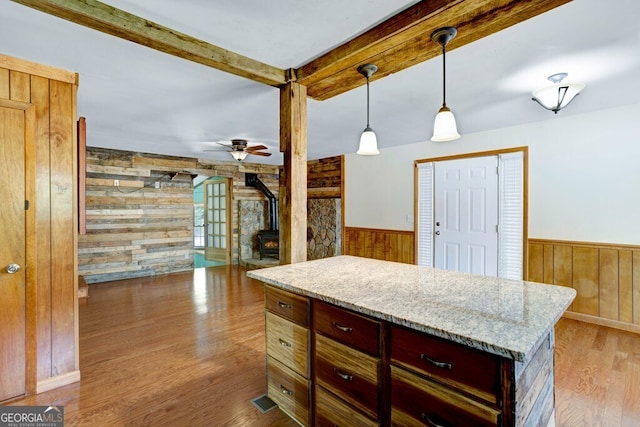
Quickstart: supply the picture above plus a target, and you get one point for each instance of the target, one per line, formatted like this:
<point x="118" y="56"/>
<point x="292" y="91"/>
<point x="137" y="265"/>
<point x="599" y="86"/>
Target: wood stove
<point x="269" y="241"/>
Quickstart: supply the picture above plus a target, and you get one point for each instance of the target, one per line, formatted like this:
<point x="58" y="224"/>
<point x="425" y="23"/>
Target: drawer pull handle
<point x="430" y="421"/>
<point x="342" y="375"/>
<point x="285" y="391"/>
<point x="284" y="343"/>
<point x="443" y="365"/>
<point x="342" y="328"/>
<point x="284" y="304"/>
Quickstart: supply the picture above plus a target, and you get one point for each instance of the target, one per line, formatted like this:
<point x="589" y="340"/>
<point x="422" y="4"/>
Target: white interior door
<point x="466" y="215"/>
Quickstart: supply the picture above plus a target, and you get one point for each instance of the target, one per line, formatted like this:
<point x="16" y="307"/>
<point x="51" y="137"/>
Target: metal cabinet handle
<point x="13" y="268"/>
<point x="284" y="343"/>
<point x="342" y="375"/>
<point x="443" y="365"/>
<point x="284" y="305"/>
<point x="285" y="391"/>
<point x="342" y="328"/>
<point x="430" y="421"/>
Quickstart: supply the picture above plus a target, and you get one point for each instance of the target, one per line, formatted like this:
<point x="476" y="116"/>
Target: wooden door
<point x="466" y="215"/>
<point x="217" y="205"/>
<point x="12" y="253"/>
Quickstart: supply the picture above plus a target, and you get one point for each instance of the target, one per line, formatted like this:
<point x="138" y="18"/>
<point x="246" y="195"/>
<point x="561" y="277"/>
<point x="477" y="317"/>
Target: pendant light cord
<point x="444" y="75"/>
<point x="367" y="102"/>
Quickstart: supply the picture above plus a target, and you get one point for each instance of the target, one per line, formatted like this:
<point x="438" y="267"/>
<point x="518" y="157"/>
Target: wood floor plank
<point x="182" y="349"/>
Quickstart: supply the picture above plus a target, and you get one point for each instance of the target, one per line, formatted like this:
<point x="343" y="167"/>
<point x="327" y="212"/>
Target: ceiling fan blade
<point x="221" y="150"/>
<point x="257" y="147"/>
<point x="259" y="153"/>
<point x="223" y="144"/>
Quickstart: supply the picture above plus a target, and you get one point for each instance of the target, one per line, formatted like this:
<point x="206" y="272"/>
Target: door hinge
<point x="497" y="228"/>
<point x="26" y="205"/>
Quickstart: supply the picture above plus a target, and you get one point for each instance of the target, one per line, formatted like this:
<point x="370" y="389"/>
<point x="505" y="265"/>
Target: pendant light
<point x="558" y="95"/>
<point x="368" y="140"/>
<point x="444" y="127"/>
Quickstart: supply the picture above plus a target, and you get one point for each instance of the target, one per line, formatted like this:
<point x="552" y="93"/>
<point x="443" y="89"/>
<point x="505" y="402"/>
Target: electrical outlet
<point x="157" y="184"/>
<point x="116" y="183"/>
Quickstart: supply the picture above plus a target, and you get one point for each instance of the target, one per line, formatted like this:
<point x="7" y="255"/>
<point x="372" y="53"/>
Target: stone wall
<point x="324" y="228"/>
<point x="251" y="218"/>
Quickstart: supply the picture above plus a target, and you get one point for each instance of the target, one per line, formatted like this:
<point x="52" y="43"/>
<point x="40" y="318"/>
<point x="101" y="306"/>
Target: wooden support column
<point x="293" y="181"/>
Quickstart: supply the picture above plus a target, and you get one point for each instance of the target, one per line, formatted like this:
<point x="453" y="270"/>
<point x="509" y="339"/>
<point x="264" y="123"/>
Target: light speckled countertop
<point x="505" y="317"/>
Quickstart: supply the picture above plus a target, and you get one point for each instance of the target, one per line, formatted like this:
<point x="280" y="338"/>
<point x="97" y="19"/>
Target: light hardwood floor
<point x="188" y="350"/>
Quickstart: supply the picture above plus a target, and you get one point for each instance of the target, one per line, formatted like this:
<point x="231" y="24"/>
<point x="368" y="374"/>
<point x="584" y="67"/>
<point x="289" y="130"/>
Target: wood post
<point x="293" y="182"/>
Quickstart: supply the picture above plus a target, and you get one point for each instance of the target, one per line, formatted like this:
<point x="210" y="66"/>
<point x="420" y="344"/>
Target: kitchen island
<point x="369" y="342"/>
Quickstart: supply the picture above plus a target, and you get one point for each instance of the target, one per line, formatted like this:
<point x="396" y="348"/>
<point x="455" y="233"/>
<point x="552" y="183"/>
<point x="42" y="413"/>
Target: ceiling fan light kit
<point x="558" y="95"/>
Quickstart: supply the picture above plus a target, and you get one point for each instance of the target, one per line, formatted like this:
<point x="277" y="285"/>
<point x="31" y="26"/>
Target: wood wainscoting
<point x="605" y="276"/>
<point x="388" y="245"/>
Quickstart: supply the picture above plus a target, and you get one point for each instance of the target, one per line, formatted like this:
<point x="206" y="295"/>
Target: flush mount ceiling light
<point x="444" y="127"/>
<point x="368" y="140"/>
<point x="558" y="95"/>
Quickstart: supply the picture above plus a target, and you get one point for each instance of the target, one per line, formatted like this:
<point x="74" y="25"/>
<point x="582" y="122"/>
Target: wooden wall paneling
<point x="536" y="263"/>
<point x="19" y="86"/>
<point x="31" y="295"/>
<point x="548" y="259"/>
<point x="40" y="100"/>
<point x="562" y="267"/>
<point x="625" y="282"/>
<point x="82" y="174"/>
<point x="585" y="280"/>
<point x="636" y="287"/>
<point x="608" y="283"/>
<point x="63" y="228"/>
<point x="390" y="245"/>
<point x="4" y="84"/>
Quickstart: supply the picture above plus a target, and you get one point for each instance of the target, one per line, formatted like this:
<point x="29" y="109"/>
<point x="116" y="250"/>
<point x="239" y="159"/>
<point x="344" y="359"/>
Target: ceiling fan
<point x="239" y="149"/>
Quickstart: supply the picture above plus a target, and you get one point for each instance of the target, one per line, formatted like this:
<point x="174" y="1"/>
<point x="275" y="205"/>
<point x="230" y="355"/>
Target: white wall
<point x="584" y="177"/>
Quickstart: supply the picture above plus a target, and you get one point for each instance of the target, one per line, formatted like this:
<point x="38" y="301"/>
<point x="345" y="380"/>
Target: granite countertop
<point x="505" y="317"/>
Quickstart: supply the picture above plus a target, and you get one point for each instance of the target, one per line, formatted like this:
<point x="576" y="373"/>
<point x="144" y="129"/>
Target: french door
<point x="217" y="205"/>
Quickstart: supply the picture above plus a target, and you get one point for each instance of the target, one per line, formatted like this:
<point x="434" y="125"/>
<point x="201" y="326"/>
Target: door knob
<point x="13" y="268"/>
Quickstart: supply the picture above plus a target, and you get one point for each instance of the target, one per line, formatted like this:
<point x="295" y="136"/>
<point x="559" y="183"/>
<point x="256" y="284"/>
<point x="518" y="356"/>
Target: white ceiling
<point x="138" y="99"/>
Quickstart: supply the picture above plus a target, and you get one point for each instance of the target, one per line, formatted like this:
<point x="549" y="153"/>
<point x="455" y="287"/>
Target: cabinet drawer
<point x="288" y="343"/>
<point x="289" y="390"/>
<point x="331" y="411"/>
<point x="346" y="327"/>
<point x="287" y="304"/>
<point x="464" y="367"/>
<point x="416" y="401"/>
<point x="348" y="373"/>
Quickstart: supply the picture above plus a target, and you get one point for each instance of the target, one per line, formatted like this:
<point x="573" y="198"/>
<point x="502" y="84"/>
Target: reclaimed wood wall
<point x="324" y="178"/>
<point x="606" y="278"/>
<point x="52" y="321"/>
<point x="389" y="245"/>
<point x="136" y="229"/>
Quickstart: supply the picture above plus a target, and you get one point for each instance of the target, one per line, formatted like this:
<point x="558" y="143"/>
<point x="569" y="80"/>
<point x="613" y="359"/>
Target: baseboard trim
<point x="602" y="321"/>
<point x="57" y="381"/>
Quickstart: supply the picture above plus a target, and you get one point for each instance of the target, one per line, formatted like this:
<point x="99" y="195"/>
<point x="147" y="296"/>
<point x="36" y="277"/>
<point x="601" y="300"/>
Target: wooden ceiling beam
<point x="405" y="40"/>
<point x="117" y="22"/>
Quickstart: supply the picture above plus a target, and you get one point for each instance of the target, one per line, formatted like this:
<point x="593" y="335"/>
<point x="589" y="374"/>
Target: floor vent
<point x="264" y="404"/>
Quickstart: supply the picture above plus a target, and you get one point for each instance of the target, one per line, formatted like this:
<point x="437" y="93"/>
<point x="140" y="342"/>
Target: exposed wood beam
<point x="405" y="40"/>
<point x="293" y="182"/>
<point x="117" y="22"/>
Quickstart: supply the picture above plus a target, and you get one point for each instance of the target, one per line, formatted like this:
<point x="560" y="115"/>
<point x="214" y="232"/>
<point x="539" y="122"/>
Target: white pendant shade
<point x="368" y="143"/>
<point x="444" y="128"/>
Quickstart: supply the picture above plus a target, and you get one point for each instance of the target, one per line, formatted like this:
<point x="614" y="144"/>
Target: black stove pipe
<point x="252" y="180"/>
